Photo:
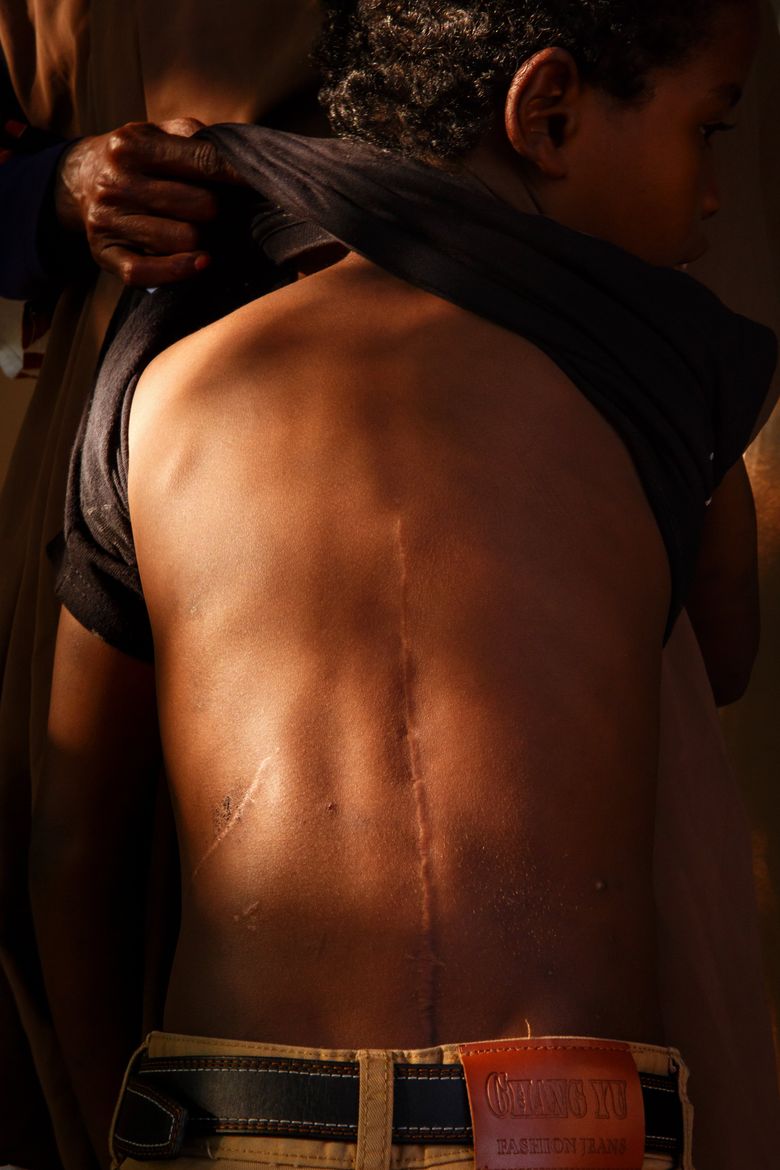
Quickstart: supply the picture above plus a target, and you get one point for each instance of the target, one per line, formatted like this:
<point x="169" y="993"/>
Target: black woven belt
<point x="172" y="1100"/>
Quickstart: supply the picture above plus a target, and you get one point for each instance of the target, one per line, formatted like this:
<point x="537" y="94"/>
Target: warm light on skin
<point x="642" y="176"/>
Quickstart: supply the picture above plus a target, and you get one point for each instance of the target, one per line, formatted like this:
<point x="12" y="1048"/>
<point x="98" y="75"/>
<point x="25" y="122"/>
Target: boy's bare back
<point x="408" y="602"/>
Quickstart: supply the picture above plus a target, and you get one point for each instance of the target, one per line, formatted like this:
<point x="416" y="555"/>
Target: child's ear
<point x="542" y="110"/>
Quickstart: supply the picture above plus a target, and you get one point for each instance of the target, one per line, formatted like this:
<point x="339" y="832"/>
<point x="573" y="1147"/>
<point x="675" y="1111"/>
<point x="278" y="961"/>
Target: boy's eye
<point x="709" y="128"/>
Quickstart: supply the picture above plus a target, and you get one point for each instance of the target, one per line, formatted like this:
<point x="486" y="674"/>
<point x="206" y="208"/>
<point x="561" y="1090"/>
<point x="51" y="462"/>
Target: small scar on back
<point x="222" y="813"/>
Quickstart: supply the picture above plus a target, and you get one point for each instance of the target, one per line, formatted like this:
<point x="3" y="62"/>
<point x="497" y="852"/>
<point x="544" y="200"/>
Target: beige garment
<point x="712" y="991"/>
<point x="87" y="66"/>
<point x="82" y="67"/>
<point x="743" y="267"/>
<point x="31" y="512"/>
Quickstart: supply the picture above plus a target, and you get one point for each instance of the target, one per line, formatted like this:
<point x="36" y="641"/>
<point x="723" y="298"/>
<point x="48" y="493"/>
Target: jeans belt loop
<point x="375" y="1111"/>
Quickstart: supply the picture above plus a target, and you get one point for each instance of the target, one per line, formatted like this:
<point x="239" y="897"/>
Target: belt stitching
<point x="328" y="1124"/>
<point x="453" y="1073"/>
<point x="431" y="1128"/>
<point x="277" y="1121"/>
<point x="401" y="1073"/>
<point x="207" y="1117"/>
<point x="438" y="1072"/>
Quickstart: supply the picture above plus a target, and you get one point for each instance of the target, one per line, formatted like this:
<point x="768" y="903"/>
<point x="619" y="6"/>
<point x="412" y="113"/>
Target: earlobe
<point x="542" y="109"/>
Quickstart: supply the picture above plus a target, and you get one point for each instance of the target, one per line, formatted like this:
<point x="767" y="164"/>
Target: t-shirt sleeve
<point x="97" y="572"/>
<point x="97" y="576"/>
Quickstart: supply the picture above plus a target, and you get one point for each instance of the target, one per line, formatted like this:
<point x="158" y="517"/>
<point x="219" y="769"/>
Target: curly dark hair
<point x="425" y="77"/>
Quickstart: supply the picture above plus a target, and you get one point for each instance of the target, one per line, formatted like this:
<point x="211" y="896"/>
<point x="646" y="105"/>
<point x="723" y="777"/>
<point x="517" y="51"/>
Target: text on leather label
<point x="551" y="1103"/>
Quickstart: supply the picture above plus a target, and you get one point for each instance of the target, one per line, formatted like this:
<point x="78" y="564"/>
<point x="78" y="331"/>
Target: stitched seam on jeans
<point x="149" y="1145"/>
<point x="286" y="1072"/>
<point x="387" y="1120"/>
<point x="444" y="1156"/>
<point x="273" y="1051"/>
<point x="363" y="1111"/>
<point x="237" y="1061"/>
<point x="284" y="1156"/>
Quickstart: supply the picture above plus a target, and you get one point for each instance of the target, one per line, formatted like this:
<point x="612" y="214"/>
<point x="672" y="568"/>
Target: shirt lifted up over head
<point x="680" y="377"/>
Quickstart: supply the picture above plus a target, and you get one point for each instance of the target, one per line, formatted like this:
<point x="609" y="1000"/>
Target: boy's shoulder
<point x="285" y="327"/>
<point x="208" y="360"/>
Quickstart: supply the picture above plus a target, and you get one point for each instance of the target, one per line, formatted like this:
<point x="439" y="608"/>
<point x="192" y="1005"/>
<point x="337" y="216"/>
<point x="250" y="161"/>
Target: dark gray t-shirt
<point x="680" y="377"/>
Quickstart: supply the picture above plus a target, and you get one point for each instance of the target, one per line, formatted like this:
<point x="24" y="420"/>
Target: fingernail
<point x="202" y="262"/>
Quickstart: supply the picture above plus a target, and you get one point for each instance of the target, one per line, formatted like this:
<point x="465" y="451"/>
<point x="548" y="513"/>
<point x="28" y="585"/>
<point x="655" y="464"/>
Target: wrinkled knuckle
<point x="105" y="187"/>
<point x="126" y="268"/>
<point x="204" y="157"/>
<point x="96" y="217"/>
<point x="118" y="144"/>
<point x="123" y="142"/>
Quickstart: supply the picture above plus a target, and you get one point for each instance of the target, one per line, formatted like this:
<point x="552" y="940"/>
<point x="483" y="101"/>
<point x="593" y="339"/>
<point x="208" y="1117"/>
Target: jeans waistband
<point x="182" y="1091"/>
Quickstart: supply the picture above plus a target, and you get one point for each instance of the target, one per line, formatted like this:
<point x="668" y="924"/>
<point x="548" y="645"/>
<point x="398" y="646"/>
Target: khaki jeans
<point x="373" y="1149"/>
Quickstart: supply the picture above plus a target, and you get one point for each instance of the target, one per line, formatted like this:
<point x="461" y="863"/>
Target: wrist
<point x="69" y="184"/>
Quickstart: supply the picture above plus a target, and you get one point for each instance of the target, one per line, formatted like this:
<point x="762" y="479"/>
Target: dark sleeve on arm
<point x="38" y="256"/>
<point x="98" y="579"/>
<point x="97" y="572"/>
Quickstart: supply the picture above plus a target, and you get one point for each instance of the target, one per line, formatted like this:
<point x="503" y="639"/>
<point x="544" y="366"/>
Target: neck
<point x="502" y="179"/>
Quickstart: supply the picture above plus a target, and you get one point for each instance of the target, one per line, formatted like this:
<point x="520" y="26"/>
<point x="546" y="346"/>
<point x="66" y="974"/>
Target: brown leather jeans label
<point x="554" y="1103"/>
